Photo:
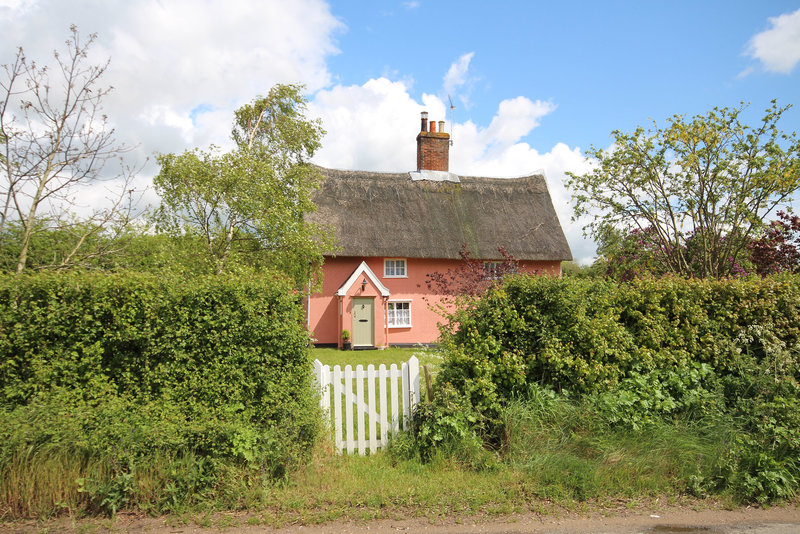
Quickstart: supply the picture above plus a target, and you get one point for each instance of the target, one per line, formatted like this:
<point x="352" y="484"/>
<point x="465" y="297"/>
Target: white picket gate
<point x="378" y="413"/>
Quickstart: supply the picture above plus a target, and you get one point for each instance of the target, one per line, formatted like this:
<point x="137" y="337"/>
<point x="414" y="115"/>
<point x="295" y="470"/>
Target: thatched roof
<point x="391" y="215"/>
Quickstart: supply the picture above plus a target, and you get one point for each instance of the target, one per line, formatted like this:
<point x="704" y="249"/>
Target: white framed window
<point x="492" y="270"/>
<point x="394" y="268"/>
<point x="399" y="314"/>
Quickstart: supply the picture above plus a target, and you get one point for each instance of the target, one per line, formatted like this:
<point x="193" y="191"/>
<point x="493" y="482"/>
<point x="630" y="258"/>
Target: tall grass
<point x="61" y="456"/>
<point x="567" y="450"/>
<point x="558" y="454"/>
<point x="555" y="451"/>
<point x="42" y="482"/>
<point x="54" y="481"/>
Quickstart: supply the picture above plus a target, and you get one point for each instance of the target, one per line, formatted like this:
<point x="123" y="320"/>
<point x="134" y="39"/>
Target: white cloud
<point x="176" y="65"/>
<point x="457" y="73"/>
<point x="14" y="5"/>
<point x="516" y="118"/>
<point x="778" y="48"/>
<point x="457" y="82"/>
<point x="178" y="68"/>
<point x="367" y="126"/>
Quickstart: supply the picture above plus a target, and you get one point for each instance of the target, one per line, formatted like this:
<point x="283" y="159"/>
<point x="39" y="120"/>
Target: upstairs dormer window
<point x="394" y="268"/>
<point x="492" y="270"/>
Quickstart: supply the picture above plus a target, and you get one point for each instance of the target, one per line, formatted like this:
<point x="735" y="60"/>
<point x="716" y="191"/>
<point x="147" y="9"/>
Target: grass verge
<point x="556" y="458"/>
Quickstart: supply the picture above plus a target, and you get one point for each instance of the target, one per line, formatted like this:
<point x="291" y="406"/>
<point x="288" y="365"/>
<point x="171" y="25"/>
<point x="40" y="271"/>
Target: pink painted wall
<point x="326" y="323"/>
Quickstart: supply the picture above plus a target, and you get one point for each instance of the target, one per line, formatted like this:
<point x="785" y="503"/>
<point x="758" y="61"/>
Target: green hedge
<point x="126" y="366"/>
<point x="665" y="349"/>
<point x="587" y="336"/>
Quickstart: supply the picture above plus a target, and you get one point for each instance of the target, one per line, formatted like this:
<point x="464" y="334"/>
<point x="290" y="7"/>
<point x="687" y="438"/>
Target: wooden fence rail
<point x="377" y="414"/>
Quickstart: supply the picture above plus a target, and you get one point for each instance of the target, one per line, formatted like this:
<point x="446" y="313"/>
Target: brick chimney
<point x="433" y="148"/>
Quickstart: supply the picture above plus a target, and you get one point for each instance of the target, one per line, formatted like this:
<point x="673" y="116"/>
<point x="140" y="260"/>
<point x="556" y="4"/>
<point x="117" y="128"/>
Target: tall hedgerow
<point x="586" y="336"/>
<point x="665" y="349"/>
<point x="119" y="370"/>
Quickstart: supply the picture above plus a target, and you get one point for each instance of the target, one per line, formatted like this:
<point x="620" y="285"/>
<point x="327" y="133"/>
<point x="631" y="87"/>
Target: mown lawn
<point x="396" y="355"/>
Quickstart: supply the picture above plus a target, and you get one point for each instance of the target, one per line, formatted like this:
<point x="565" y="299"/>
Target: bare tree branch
<point x="55" y="140"/>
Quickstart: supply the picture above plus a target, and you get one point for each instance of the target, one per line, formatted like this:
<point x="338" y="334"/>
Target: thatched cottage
<point x="394" y="229"/>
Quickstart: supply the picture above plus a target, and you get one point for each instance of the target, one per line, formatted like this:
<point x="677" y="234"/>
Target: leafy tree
<point x="626" y="257"/>
<point x="248" y="205"/>
<point x="638" y="254"/>
<point x="133" y="250"/>
<point x="52" y="245"/>
<point x="572" y="269"/>
<point x="778" y="250"/>
<point x="710" y="180"/>
<point x="55" y="139"/>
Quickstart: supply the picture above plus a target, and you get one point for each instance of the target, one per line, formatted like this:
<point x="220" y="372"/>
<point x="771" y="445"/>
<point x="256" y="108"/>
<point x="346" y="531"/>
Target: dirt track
<point x="664" y="520"/>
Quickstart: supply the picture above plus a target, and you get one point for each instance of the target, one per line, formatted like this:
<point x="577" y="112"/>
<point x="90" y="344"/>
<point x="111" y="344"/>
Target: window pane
<point x="394" y="267"/>
<point x="399" y="314"/>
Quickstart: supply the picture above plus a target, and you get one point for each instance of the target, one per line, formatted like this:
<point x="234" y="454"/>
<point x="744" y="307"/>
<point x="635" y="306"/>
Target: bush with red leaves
<point x="778" y="250"/>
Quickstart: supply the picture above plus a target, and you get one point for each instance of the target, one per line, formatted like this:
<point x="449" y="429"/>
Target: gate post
<point x="413" y="371"/>
<point x="411" y="395"/>
<point x="322" y="381"/>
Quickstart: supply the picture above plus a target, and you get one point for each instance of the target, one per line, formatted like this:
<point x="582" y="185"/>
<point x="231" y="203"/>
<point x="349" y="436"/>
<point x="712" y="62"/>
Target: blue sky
<point x="535" y="84"/>
<point x="605" y="65"/>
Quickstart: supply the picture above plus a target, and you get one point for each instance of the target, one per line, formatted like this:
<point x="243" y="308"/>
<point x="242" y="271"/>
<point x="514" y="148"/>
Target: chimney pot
<point x="433" y="149"/>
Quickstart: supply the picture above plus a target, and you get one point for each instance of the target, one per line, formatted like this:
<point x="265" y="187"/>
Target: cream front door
<point x="363" y="322"/>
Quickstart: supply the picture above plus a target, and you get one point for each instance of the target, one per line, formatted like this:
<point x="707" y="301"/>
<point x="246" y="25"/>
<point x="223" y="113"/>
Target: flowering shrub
<point x="472" y="277"/>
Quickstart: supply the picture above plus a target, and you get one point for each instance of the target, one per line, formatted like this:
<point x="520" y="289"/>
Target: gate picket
<point x="406" y="408"/>
<point x="348" y="407"/>
<point x="395" y="413"/>
<point x="372" y="420"/>
<point x="362" y="444"/>
<point x="382" y="396"/>
<point x="337" y="406"/>
<point x="373" y="437"/>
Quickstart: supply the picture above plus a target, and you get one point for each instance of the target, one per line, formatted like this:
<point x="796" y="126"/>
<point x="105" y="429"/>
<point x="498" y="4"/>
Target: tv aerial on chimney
<point x="452" y="107"/>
